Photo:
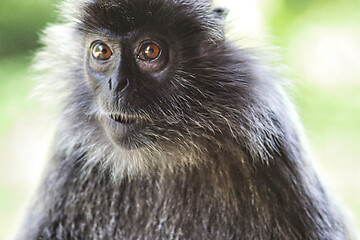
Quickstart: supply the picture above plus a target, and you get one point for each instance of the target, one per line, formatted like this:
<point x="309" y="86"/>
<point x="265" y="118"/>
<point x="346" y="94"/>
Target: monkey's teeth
<point x="124" y="118"/>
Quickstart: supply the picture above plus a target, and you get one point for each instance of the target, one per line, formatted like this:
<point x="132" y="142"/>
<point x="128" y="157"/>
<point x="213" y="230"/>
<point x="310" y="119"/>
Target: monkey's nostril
<point x="110" y="84"/>
<point x="118" y="85"/>
<point x="122" y="84"/>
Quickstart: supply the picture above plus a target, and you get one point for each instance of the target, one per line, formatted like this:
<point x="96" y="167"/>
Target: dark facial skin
<point x="121" y="72"/>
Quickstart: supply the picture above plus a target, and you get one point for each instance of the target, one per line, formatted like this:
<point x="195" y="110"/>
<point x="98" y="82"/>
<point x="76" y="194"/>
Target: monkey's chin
<point x="125" y="135"/>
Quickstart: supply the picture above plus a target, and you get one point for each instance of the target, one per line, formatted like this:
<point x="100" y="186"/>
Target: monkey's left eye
<point x="151" y="56"/>
<point x="101" y="51"/>
<point x="149" y="51"/>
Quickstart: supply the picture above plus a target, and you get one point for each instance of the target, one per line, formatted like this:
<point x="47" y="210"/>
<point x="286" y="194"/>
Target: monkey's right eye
<point x="101" y="51"/>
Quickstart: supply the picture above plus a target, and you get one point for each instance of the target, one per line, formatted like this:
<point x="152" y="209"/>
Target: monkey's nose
<point x="118" y="85"/>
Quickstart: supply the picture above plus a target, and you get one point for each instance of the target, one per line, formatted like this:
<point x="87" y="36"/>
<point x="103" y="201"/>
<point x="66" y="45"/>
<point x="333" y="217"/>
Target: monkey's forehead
<point x="122" y="16"/>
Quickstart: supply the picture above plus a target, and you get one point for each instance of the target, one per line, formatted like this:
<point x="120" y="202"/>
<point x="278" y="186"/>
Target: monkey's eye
<point x="101" y="51"/>
<point x="151" y="56"/>
<point x="149" y="51"/>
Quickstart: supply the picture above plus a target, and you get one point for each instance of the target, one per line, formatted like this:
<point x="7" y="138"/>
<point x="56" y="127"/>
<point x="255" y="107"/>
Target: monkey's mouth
<point x="124" y="118"/>
<point x="127" y="119"/>
<point x="123" y="129"/>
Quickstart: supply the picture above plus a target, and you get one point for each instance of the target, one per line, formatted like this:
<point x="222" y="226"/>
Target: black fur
<point x="223" y="157"/>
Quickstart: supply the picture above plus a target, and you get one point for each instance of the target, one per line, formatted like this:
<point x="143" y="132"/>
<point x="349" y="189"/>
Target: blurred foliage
<point x="283" y="14"/>
<point x="20" y="22"/>
<point x="330" y="111"/>
<point x="15" y="89"/>
<point x="331" y="117"/>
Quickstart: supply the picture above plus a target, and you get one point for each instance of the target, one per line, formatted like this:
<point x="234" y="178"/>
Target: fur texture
<point x="226" y="161"/>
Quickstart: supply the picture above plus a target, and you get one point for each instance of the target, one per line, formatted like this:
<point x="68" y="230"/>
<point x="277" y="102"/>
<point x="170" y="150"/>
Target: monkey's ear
<point x="220" y="13"/>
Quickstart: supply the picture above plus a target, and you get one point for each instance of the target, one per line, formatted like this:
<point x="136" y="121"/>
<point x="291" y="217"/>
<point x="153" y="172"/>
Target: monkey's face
<point x="144" y="63"/>
<point x="127" y="75"/>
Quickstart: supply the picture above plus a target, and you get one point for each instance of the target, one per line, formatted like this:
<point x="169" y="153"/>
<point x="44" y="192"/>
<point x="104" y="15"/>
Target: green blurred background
<point x="318" y="39"/>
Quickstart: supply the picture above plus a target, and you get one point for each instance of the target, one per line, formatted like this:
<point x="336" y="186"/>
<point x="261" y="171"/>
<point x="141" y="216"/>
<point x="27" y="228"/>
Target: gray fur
<point x="227" y="162"/>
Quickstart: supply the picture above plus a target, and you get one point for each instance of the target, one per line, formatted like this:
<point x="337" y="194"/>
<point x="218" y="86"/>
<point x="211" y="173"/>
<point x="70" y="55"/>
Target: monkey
<point x="169" y="130"/>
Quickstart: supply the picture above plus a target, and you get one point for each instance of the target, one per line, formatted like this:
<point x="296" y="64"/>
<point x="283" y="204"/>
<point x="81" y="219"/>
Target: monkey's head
<point x="141" y="61"/>
<point x="146" y="75"/>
